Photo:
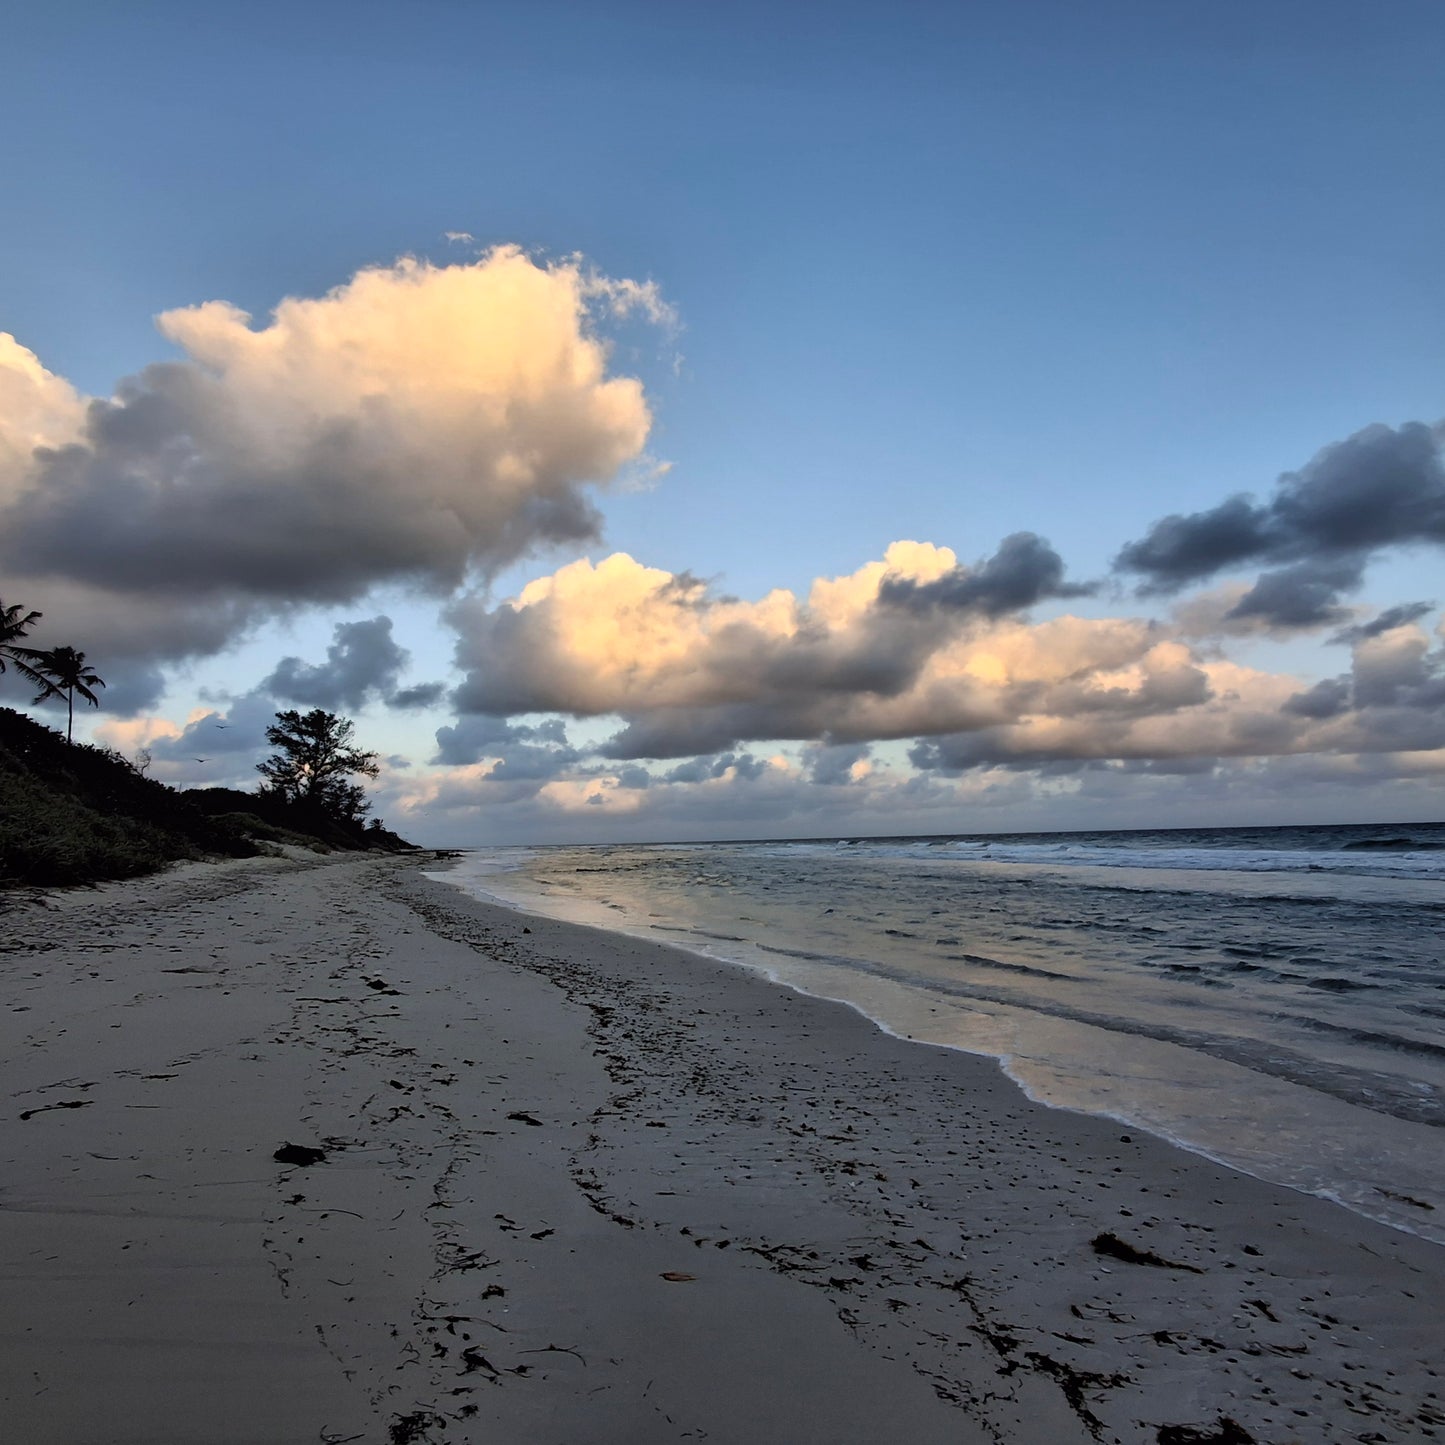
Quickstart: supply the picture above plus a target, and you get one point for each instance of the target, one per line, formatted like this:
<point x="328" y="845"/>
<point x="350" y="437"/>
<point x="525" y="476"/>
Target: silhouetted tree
<point x="315" y="762"/>
<point x="15" y="622"/>
<point x="61" y="672"/>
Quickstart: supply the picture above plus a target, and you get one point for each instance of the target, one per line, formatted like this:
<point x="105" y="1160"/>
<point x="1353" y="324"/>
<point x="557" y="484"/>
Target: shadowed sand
<point x="580" y="1189"/>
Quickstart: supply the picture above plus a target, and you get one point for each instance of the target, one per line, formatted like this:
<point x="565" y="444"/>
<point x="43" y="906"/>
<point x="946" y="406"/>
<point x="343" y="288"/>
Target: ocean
<point x="1273" y="998"/>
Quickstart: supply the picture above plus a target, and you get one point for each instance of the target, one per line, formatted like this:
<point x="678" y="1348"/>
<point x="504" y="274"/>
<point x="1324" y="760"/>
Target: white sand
<point x="885" y="1242"/>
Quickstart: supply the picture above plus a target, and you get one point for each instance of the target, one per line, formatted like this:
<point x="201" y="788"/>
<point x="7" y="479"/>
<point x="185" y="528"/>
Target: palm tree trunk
<point x="70" y="715"/>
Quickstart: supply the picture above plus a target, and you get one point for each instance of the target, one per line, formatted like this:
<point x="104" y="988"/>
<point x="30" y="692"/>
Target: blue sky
<point x="942" y="273"/>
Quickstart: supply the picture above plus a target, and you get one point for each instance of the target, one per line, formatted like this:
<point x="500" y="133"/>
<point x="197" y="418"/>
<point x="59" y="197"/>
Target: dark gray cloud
<point x="168" y="495"/>
<point x="1391" y="700"/>
<point x="424" y="694"/>
<point x="238" y="725"/>
<point x="1179" y="549"/>
<point x="1023" y="572"/>
<point x="522" y="752"/>
<point x="126" y="638"/>
<point x="958" y="753"/>
<point x="532" y="762"/>
<point x="688" y="732"/>
<point x="363" y="662"/>
<point x="130" y="686"/>
<point x="1387" y="621"/>
<point x="831" y="764"/>
<point x="138" y="687"/>
<point x="703" y="769"/>
<point x="1398" y="670"/>
<point x="1305" y="595"/>
<point x="472" y="738"/>
<point x="1383" y="487"/>
<point x="1325" y="699"/>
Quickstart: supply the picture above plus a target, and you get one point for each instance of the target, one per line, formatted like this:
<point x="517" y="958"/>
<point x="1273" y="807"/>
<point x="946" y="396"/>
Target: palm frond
<point x="23" y="657"/>
<point x="14" y="624"/>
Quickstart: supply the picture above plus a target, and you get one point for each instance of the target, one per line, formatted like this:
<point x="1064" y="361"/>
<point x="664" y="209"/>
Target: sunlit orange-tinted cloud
<point x="418" y="423"/>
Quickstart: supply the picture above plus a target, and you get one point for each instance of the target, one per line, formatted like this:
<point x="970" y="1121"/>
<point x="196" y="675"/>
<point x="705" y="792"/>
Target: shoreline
<point x="529" y="1125"/>
<point x="1391" y="1191"/>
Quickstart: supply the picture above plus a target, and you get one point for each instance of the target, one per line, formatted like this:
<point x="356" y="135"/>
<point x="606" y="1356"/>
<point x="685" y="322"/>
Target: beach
<point x="547" y="1183"/>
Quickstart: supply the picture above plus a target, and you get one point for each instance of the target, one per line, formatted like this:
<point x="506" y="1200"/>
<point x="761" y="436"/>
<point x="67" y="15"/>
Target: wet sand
<point x="581" y="1188"/>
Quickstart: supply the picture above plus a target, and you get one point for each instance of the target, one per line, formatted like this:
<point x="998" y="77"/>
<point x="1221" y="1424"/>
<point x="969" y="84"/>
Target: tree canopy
<point x="15" y="622"/>
<point x="315" y="761"/>
<point x="60" y="672"/>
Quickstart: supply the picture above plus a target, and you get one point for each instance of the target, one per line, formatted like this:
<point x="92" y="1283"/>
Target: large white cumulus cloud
<point x="420" y="423"/>
<point x="859" y="659"/>
<point x="37" y="409"/>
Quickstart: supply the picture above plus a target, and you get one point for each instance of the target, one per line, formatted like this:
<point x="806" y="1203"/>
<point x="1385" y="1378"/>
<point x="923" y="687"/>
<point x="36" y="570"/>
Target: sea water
<point x="1273" y="998"/>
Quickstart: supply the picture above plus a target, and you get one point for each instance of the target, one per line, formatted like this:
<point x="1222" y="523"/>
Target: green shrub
<point x="79" y="814"/>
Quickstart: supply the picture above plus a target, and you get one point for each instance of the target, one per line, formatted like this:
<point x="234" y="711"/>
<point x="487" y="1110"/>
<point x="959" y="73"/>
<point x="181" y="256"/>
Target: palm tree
<point x="15" y="622"/>
<point x="62" y="671"/>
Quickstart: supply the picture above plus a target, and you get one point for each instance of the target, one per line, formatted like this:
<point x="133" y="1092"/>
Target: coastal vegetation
<point x="314" y="762"/>
<point x="77" y="813"/>
<point x="62" y="672"/>
<point x="15" y="622"/>
<point x="56" y="671"/>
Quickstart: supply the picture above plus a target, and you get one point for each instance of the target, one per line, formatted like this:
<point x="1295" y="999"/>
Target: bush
<point x="79" y="814"/>
<point x="49" y="838"/>
<point x="296" y="818"/>
<point x="248" y="825"/>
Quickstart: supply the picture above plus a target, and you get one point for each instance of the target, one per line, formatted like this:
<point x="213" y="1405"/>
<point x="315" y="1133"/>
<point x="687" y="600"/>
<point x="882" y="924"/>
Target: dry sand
<point x="583" y="1190"/>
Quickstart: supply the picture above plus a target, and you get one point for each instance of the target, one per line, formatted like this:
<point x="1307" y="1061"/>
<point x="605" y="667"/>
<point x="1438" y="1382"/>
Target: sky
<point x="656" y="421"/>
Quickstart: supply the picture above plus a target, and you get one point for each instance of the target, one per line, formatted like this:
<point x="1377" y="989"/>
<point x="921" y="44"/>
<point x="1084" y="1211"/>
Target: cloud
<point x="216" y="745"/>
<point x="424" y="694"/>
<point x="1393" y="697"/>
<point x="696" y="676"/>
<point x="872" y="654"/>
<point x="1387" y="621"/>
<point x="364" y="661"/>
<point x="742" y="766"/>
<point x="594" y="639"/>
<point x="837" y="764"/>
<point x="37" y="410"/>
<point x="1023" y="572"/>
<point x="510" y="753"/>
<point x="1328" y="698"/>
<point x="417" y="424"/>
<point x="780" y="799"/>
<point x="1383" y="487"/>
<point x="1303" y="596"/>
<point x="1169" y="704"/>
